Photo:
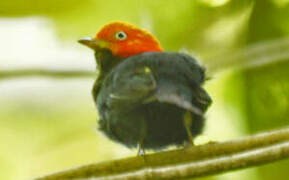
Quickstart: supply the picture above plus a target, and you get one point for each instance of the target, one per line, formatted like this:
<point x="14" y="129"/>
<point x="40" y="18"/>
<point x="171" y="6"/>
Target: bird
<point x="146" y="98"/>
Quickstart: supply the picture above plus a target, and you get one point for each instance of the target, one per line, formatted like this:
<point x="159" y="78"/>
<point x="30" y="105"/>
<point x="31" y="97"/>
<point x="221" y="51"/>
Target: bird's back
<point x="147" y="97"/>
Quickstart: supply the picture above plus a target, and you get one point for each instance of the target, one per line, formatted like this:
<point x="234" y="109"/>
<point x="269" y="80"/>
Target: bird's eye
<point x="120" y="35"/>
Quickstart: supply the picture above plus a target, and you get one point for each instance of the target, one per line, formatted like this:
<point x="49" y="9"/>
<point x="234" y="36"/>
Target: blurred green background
<point x="48" y="125"/>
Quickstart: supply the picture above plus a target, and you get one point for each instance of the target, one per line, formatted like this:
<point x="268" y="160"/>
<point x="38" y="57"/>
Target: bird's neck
<point x="106" y="61"/>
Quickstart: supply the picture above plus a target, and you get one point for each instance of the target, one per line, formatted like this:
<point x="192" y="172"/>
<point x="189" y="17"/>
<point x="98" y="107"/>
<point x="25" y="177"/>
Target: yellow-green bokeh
<point x="48" y="125"/>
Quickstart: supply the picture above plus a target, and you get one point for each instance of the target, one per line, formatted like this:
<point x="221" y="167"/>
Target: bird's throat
<point x="106" y="61"/>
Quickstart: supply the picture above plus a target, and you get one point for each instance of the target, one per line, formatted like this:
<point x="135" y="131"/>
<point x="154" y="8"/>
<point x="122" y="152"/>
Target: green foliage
<point x="59" y="133"/>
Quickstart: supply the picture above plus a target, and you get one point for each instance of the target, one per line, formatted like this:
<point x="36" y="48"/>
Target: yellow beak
<point x="94" y="43"/>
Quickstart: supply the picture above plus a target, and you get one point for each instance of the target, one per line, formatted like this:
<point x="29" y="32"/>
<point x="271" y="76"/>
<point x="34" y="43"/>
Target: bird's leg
<point x="140" y="151"/>
<point x="188" y="125"/>
<point x="140" y="145"/>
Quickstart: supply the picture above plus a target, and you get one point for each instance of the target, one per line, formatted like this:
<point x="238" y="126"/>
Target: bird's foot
<point x="140" y="151"/>
<point x="189" y="144"/>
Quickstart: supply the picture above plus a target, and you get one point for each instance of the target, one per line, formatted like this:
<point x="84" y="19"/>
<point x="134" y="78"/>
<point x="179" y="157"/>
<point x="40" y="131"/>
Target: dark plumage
<point x="146" y="98"/>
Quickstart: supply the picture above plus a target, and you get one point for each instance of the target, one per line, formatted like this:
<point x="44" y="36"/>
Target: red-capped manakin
<point x="146" y="97"/>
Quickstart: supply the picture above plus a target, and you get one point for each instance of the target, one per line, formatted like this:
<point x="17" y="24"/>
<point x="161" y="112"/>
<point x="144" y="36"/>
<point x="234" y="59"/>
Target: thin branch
<point x="251" y="56"/>
<point x="210" y="166"/>
<point x="20" y="73"/>
<point x="189" y="162"/>
<point x="254" y="55"/>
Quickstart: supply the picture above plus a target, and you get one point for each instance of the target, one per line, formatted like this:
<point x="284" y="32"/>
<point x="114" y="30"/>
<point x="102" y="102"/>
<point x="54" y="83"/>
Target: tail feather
<point x="179" y="101"/>
<point x="179" y="97"/>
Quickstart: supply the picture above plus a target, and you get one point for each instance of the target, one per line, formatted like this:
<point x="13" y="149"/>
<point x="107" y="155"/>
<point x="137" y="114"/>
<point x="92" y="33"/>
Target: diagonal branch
<point x="196" y="161"/>
<point x="254" y="55"/>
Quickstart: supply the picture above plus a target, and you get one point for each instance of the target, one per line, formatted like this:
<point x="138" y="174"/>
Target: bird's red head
<point x="123" y="40"/>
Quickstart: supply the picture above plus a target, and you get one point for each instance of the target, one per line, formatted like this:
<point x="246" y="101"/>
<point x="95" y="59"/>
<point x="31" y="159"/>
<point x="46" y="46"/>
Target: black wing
<point x="165" y="77"/>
